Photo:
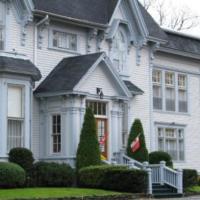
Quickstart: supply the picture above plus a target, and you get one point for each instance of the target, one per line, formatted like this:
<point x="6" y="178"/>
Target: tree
<point x="142" y="153"/>
<point x="168" y="15"/>
<point x="88" y="152"/>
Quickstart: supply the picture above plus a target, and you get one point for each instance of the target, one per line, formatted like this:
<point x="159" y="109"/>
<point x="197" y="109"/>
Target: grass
<point x="29" y="193"/>
<point x="193" y="189"/>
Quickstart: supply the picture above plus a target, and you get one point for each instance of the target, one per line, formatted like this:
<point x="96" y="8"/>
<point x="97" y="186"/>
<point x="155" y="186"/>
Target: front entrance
<point x="102" y="134"/>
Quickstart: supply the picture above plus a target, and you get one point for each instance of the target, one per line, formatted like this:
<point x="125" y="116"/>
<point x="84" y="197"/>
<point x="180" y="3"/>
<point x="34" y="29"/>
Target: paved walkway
<point x="184" y="198"/>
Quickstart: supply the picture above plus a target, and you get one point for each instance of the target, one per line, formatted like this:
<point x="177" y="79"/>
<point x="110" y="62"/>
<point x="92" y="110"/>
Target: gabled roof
<point x="19" y="66"/>
<point x="96" y="11"/>
<point x="67" y="73"/>
<point x="133" y="88"/>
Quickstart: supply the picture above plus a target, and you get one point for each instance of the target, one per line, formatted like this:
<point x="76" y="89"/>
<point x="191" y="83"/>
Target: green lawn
<point x="193" y="189"/>
<point x="51" y="192"/>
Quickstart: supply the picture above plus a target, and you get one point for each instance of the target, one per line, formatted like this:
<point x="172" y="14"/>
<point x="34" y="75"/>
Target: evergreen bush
<point x="157" y="156"/>
<point x="142" y="153"/>
<point x="88" y="152"/>
<point x="23" y="157"/>
<point x="45" y="174"/>
<point x="116" y="178"/>
<point x="190" y="178"/>
<point x="11" y="175"/>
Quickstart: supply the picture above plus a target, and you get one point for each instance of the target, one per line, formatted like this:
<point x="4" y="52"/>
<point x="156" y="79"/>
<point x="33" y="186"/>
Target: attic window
<point x="63" y="40"/>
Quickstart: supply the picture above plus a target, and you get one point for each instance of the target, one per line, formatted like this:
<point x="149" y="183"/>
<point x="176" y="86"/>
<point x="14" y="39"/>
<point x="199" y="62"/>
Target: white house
<point x="106" y="54"/>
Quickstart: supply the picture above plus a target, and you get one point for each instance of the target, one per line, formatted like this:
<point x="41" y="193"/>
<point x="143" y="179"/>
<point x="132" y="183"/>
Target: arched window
<point x="120" y="51"/>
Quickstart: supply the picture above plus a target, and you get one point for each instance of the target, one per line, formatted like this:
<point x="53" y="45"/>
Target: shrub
<point x="52" y="174"/>
<point x="142" y="153"/>
<point x="11" y="175"/>
<point x="190" y="177"/>
<point x="88" y="152"/>
<point x="117" y="178"/>
<point x="157" y="156"/>
<point x="22" y="157"/>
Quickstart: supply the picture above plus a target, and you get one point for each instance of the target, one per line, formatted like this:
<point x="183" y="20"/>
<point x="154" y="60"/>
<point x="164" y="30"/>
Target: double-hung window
<point x="63" y="40"/>
<point x="170" y="99"/>
<point x="15" y="127"/>
<point x="169" y="91"/>
<point x="2" y="25"/>
<point x="56" y="133"/>
<point x="171" y="140"/>
<point x="157" y="90"/>
<point x="182" y="93"/>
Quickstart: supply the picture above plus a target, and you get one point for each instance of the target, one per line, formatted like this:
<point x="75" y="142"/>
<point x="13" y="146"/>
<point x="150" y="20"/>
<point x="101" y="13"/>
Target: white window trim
<point x="165" y="126"/>
<point x="163" y="87"/>
<point x="51" y="135"/>
<point x="67" y="31"/>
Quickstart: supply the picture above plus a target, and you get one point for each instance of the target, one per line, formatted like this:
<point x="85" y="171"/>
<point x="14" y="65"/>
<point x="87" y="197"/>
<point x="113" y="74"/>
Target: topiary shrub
<point x="157" y="156"/>
<point x="117" y="178"/>
<point x="190" y="178"/>
<point x="22" y="157"/>
<point x="142" y="153"/>
<point x="45" y="174"/>
<point x="11" y="175"/>
<point x="88" y="152"/>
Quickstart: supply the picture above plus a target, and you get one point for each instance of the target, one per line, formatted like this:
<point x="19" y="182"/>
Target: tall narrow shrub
<point x="88" y="152"/>
<point x="142" y="153"/>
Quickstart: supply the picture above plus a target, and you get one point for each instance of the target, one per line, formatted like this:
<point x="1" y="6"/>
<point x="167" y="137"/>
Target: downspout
<point x="46" y="18"/>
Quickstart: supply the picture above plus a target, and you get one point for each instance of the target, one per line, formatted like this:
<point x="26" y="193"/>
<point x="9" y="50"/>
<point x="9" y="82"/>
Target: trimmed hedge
<point x="157" y="156"/>
<point x="190" y="178"/>
<point x="117" y="178"/>
<point x="22" y="157"/>
<point x="11" y="175"/>
<point x="52" y="175"/>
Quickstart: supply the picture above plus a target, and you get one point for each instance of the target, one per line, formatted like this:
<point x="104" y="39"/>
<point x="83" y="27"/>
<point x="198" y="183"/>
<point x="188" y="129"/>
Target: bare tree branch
<point x="176" y="18"/>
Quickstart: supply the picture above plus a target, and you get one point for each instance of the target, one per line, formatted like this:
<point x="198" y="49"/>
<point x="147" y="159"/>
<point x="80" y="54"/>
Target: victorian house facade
<point x="59" y="56"/>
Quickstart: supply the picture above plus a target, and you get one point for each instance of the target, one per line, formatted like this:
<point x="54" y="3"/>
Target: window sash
<point x="64" y="40"/>
<point x="98" y="108"/>
<point x="171" y="140"/>
<point x="56" y="133"/>
<point x="15" y="136"/>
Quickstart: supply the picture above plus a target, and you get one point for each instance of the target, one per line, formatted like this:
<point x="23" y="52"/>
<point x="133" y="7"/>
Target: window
<point x="2" y="25"/>
<point x="170" y="92"/>
<point x="120" y="51"/>
<point x="182" y="93"/>
<point x="56" y="133"/>
<point x="171" y="140"/>
<point x="15" y="117"/>
<point x="157" y="89"/>
<point x="98" y="108"/>
<point x="63" y="40"/>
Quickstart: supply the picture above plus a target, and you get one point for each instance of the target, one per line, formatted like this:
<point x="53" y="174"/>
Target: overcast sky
<point x="194" y="6"/>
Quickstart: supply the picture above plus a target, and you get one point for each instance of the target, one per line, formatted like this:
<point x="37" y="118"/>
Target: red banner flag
<point x="135" y="145"/>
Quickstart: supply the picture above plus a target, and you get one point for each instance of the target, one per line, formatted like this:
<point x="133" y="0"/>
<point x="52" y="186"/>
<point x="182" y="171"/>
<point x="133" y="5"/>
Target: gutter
<point x="45" y="19"/>
<point x="73" y="20"/>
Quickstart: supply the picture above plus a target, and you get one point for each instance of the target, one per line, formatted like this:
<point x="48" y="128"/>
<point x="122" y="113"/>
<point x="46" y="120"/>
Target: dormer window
<point x="2" y="25"/>
<point x="120" y="51"/>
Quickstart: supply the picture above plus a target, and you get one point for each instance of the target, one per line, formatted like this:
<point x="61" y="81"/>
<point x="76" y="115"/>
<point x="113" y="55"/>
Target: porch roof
<point x="133" y="88"/>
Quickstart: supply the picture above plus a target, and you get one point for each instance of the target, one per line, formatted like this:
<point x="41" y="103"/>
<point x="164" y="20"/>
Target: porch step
<point x="164" y="191"/>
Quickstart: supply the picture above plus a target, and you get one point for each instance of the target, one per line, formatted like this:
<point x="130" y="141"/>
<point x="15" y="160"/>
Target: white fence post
<point x="145" y="165"/>
<point x="162" y="167"/>
<point x="149" y="171"/>
<point x="180" y="181"/>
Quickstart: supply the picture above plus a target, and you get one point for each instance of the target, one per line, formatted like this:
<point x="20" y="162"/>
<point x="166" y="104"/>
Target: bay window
<point x="170" y="90"/>
<point x="15" y="123"/>
<point x="63" y="40"/>
<point x="171" y="140"/>
<point x="56" y="133"/>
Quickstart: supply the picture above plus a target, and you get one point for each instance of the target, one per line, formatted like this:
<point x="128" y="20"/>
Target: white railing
<point x="157" y="173"/>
